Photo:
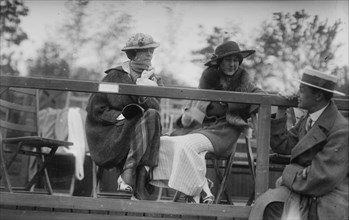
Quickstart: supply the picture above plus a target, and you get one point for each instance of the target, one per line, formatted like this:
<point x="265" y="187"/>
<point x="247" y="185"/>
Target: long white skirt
<point x="182" y="164"/>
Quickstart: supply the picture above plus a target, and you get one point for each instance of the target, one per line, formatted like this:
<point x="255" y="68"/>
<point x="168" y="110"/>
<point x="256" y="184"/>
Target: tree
<point x="11" y="34"/>
<point x="73" y="31"/>
<point x="49" y="63"/>
<point x="288" y="44"/>
<point x="89" y="44"/>
<point x="212" y="40"/>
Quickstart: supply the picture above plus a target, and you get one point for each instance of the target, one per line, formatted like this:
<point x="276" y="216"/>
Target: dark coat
<point x="109" y="139"/>
<point x="215" y="126"/>
<point x="319" y="165"/>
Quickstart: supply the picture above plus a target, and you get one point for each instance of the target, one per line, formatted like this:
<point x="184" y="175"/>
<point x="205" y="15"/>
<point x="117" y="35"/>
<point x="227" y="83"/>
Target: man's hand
<point x="282" y="109"/>
<point x="281" y="112"/>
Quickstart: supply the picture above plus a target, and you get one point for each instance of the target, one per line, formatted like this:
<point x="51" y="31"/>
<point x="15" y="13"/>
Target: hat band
<point x="314" y="80"/>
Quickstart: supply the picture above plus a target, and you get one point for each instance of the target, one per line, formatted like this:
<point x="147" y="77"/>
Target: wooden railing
<point x="265" y="101"/>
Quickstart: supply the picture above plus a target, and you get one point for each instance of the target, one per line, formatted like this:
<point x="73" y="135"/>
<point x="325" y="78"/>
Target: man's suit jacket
<point x="319" y="166"/>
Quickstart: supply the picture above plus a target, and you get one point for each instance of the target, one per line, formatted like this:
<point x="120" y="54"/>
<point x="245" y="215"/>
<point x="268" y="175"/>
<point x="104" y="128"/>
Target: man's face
<point x="144" y="55"/>
<point x="306" y="99"/>
<point x="229" y="65"/>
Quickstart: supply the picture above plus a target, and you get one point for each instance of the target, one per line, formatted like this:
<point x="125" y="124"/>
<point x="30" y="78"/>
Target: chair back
<point x="18" y="110"/>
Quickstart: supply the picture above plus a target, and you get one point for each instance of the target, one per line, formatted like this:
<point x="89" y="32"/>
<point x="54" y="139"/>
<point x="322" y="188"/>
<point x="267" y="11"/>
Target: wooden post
<point x="263" y="145"/>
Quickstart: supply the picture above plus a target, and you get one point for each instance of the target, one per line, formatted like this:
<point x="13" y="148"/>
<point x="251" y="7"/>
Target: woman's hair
<point x="210" y="78"/>
<point x="131" y="54"/>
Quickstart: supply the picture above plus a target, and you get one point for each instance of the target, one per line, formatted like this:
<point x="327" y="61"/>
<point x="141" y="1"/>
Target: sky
<point x="151" y="18"/>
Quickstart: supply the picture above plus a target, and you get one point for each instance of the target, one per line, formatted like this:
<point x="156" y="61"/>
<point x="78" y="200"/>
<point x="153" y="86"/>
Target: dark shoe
<point x="192" y="199"/>
<point x="141" y="192"/>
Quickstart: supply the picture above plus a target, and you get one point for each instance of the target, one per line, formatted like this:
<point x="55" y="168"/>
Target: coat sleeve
<point x="106" y="107"/>
<point x="100" y="112"/>
<point x="328" y="167"/>
<point x="282" y="140"/>
<point x="151" y="102"/>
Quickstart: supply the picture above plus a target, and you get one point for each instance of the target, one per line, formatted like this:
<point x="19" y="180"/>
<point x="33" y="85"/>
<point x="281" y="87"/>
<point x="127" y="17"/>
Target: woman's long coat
<point x="215" y="126"/>
<point x="109" y="138"/>
<point x="319" y="167"/>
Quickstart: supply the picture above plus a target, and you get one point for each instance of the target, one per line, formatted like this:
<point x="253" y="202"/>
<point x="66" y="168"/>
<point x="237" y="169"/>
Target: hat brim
<point x="243" y="53"/>
<point x="318" y="87"/>
<point x="152" y="45"/>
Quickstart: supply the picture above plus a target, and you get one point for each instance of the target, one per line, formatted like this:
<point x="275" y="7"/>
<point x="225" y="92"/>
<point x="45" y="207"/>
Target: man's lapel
<point x="316" y="134"/>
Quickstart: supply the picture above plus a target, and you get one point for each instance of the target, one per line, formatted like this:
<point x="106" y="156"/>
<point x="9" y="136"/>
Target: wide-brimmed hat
<point x="226" y="49"/>
<point x="319" y="80"/>
<point x="140" y="41"/>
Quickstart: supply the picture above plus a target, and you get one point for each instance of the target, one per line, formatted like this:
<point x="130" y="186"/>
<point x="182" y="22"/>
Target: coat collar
<point x="318" y="133"/>
<point x="126" y="66"/>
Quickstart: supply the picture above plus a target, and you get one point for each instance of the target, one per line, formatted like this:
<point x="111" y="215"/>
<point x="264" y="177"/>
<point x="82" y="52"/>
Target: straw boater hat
<point x="319" y="80"/>
<point x="140" y="41"/>
<point x="226" y="49"/>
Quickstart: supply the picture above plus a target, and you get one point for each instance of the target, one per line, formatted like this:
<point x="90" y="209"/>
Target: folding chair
<point x="19" y="130"/>
<point x="226" y="163"/>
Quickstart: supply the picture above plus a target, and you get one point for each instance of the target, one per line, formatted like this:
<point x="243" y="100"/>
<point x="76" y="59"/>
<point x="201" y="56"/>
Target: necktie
<point x="308" y="123"/>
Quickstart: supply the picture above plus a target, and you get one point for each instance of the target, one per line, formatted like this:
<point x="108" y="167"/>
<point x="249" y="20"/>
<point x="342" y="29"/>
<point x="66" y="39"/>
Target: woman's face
<point x="229" y="65"/>
<point x="144" y="55"/>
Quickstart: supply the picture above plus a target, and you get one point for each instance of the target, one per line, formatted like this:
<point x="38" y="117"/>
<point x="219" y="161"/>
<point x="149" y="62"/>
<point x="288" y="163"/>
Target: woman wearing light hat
<point x="122" y="130"/>
<point x="315" y="185"/>
<point x="206" y="127"/>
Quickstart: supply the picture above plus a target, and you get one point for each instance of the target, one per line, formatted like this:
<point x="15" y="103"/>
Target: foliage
<point x="88" y="43"/>
<point x="284" y="46"/>
<point x="49" y="63"/>
<point x="218" y="36"/>
<point x="11" y="34"/>
<point x="10" y="13"/>
<point x="288" y="44"/>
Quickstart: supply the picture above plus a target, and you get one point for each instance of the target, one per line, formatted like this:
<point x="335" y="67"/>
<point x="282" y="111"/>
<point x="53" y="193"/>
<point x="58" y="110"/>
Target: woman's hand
<point x="147" y="78"/>
<point x="216" y="109"/>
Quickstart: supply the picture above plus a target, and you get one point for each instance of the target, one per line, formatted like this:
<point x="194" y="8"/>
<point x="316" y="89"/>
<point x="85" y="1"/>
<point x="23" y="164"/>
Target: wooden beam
<point x="263" y="144"/>
<point x="164" y="92"/>
<point x="121" y="205"/>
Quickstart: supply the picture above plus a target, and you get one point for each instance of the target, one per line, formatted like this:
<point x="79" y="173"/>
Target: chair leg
<point x="43" y="169"/>
<point x="159" y="194"/>
<point x="176" y="196"/>
<point x="250" y="159"/>
<point x="48" y="182"/>
<point x="225" y="176"/>
<point x="94" y="180"/>
<point x="4" y="168"/>
<point x="72" y="185"/>
<point x="97" y="174"/>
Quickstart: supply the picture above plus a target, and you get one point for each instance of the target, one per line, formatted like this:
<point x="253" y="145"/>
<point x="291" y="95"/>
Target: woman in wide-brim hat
<point x="206" y="127"/>
<point x="122" y="130"/>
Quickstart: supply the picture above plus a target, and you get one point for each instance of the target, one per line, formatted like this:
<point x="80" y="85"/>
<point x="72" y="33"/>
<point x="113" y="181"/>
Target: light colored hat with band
<point x="140" y="41"/>
<point x="320" y="80"/>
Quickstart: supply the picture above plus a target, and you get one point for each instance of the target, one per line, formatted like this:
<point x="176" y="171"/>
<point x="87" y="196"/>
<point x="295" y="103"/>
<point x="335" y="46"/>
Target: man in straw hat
<point x="315" y="185"/>
<point x="122" y="130"/>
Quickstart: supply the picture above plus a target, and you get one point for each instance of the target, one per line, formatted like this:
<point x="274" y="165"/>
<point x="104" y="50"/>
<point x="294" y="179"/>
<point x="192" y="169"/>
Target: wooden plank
<point x="119" y="205"/>
<point x="164" y="92"/>
<point x="13" y="214"/>
<point x="263" y="144"/>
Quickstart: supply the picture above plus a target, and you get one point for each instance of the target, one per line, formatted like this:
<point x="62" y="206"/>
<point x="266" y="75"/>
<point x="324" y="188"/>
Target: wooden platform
<point x="37" y="206"/>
